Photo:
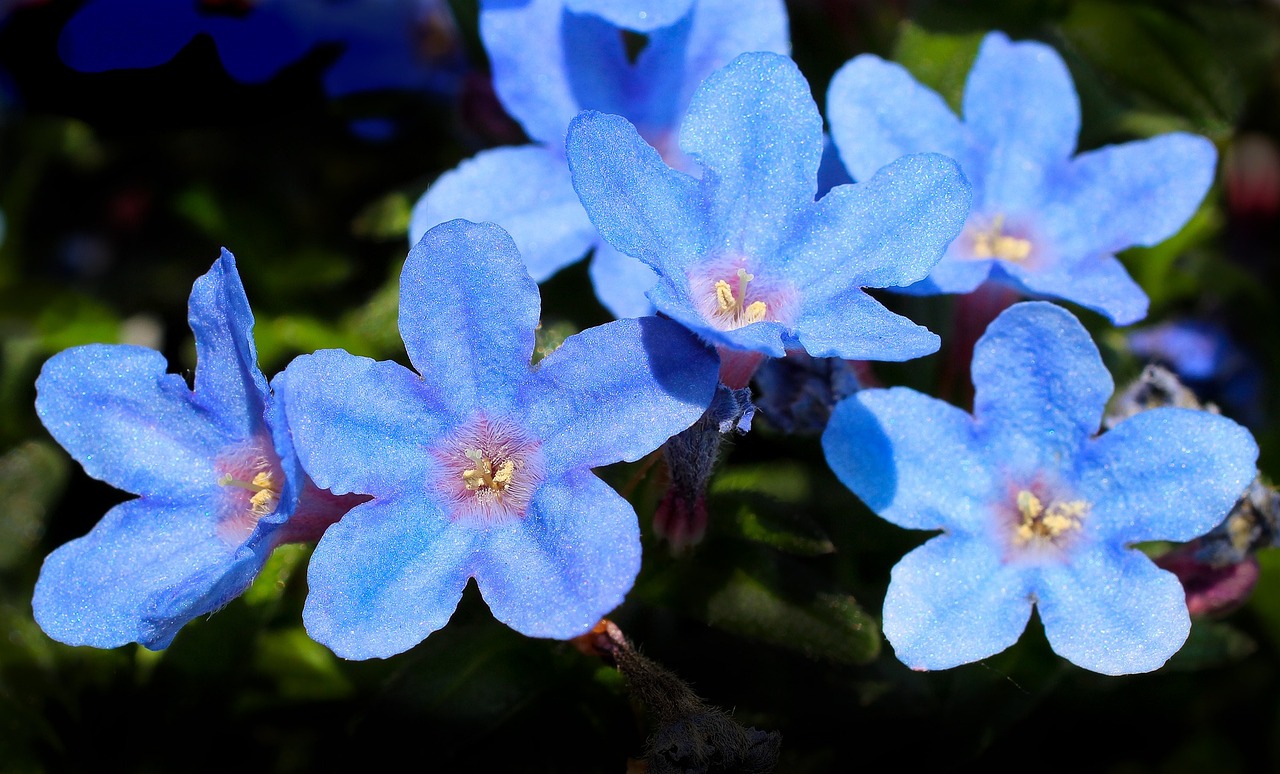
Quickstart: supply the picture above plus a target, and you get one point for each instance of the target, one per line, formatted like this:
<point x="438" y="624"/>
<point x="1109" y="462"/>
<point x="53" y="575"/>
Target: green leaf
<point x="300" y="667"/>
<point x="32" y="477"/>
<point x="1211" y="644"/>
<point x="939" y="60"/>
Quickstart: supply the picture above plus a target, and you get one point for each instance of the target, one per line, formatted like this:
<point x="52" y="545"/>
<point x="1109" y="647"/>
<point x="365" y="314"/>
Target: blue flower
<point x="217" y="480"/>
<point x="1036" y="510"/>
<point x="637" y="15"/>
<point x="479" y="465"/>
<point x="581" y="62"/>
<point x="1044" y="222"/>
<point x="747" y="258"/>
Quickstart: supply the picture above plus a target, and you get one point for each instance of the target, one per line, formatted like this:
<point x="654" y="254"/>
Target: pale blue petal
<point x="952" y="601"/>
<point x="1039" y="388"/>
<point x="570" y="561"/>
<point x="953" y="274"/>
<point x="1100" y="283"/>
<point x="1113" y="611"/>
<point x="855" y="326"/>
<point x="227" y="380"/>
<point x="621" y="282"/>
<point x="1165" y="474"/>
<point x="637" y="15"/>
<point x="617" y="392"/>
<point x="144" y="570"/>
<point x="911" y="458"/>
<point x="1138" y="193"/>
<point x="468" y="311"/>
<point x="723" y="29"/>
<point x="1021" y="107"/>
<point x="754" y="127"/>
<point x="526" y="191"/>
<point x="117" y="412"/>
<point x="878" y="112"/>
<point x="387" y="575"/>
<point x="639" y="204"/>
<point x="360" y="425"/>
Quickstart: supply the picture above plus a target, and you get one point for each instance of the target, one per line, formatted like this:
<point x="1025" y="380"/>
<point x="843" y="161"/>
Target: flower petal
<point x="360" y="425"/>
<point x="542" y="213"/>
<point x="911" y="458"/>
<point x="117" y="412"/>
<point x="143" y="571"/>
<point x="1166" y="474"/>
<point x="637" y="15"/>
<point x="878" y="113"/>
<point x="621" y="282"/>
<point x="1021" y="105"/>
<point x="755" y="129"/>
<point x="617" y="392"/>
<point x="571" y="560"/>
<point x="468" y="311"/>
<point x="227" y="380"/>
<point x="386" y="576"/>
<point x="1113" y="612"/>
<point x="640" y="205"/>
<point x="1039" y="388"/>
<point x="855" y="326"/>
<point x="952" y="601"/>
<point x="1100" y="283"/>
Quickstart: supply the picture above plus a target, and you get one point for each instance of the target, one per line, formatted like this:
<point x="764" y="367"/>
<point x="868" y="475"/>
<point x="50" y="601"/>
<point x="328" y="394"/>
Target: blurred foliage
<point x="119" y="188"/>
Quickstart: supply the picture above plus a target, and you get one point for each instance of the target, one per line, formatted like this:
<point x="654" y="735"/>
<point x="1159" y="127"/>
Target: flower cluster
<point x="690" y="167"/>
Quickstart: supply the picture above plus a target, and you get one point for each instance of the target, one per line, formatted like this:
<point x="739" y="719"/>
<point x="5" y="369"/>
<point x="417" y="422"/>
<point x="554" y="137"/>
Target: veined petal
<point x="855" y="326"/>
<point x="638" y="15"/>
<point x="1099" y="282"/>
<point x="1020" y="104"/>
<point x="617" y="392"/>
<point x="639" y="204"/>
<point x="1039" y="388"/>
<point x="540" y="210"/>
<point x="117" y="412"/>
<point x="754" y="127"/>
<point x="468" y="311"/>
<point x="228" y="381"/>
<point x="569" y="562"/>
<point x="621" y="282"/>
<point x="1165" y="474"/>
<point x="143" y="571"/>
<point x="387" y="575"/>
<point x="360" y="425"/>
<point x="878" y="113"/>
<point x="952" y="601"/>
<point x="911" y="458"/>
<point x="1113" y="611"/>
<point x="1138" y="193"/>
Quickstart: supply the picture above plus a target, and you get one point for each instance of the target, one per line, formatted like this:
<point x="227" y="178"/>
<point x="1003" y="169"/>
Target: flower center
<point x="251" y="474"/>
<point x="993" y="242"/>
<point x="1042" y="525"/>
<point x="733" y="308"/>
<point x="489" y="470"/>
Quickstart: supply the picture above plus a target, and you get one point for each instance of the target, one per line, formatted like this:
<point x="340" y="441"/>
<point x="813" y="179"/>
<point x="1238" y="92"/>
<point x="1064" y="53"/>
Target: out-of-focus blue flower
<point x="637" y="15"/>
<point x="746" y="257"/>
<point x="581" y="62"/>
<point x="216" y="476"/>
<point x="1044" y="222"/>
<point x="479" y="465"/>
<point x="1036" y="510"/>
<point x="388" y="44"/>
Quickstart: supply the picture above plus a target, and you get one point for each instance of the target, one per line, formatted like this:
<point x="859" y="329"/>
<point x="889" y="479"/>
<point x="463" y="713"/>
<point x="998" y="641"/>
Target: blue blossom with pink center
<point x="1045" y="221"/>
<point x="747" y="256"/>
<point x="218" y="483"/>
<point x="1037" y="509"/>
<point x="580" y="62"/>
<point x="479" y="463"/>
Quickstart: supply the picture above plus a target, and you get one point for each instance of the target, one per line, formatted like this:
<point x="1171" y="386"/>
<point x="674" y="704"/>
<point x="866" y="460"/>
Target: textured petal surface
<point x="878" y="113"/>
<point x="360" y="425"/>
<point x="638" y="15"/>
<point x="1113" y="612"/>
<point x="468" y="311"/>
<point x="387" y="575"/>
<point x="144" y="563"/>
<point x="617" y="392"/>
<point x="621" y="282"/>
<point x="541" y="211"/>
<point x="571" y="560"/>
<point x="755" y="129"/>
<point x="227" y="379"/>
<point x="1100" y="283"/>
<point x="855" y="326"/>
<point x="1039" y="388"/>
<point x="951" y="601"/>
<point x="1021" y="107"/>
<point x="117" y="412"/>
<point x="639" y="204"/>
<point x="1166" y="474"/>
<point x="911" y="458"/>
<point x="723" y="29"/>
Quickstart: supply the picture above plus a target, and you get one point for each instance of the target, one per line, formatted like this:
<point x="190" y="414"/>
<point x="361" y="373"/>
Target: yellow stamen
<point x="731" y="304"/>
<point x="482" y="475"/>
<point x="263" y="486"/>
<point x="994" y="243"/>
<point x="1040" y="524"/>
